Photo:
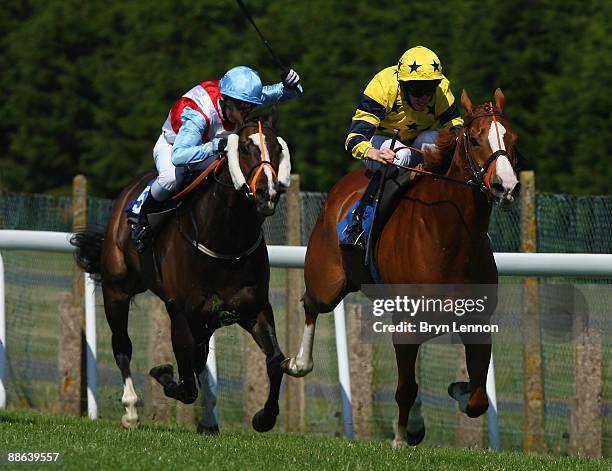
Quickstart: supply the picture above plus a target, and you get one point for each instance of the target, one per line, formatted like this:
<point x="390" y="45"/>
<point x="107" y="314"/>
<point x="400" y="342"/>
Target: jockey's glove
<point x="219" y="144"/>
<point x="291" y="79"/>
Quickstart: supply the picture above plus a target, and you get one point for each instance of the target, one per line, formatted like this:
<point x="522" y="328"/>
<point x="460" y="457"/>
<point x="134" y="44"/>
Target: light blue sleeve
<point x="278" y="93"/>
<point x="188" y="148"/>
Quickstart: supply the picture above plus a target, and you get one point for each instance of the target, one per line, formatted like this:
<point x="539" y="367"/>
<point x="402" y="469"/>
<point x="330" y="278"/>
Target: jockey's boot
<point x="355" y="236"/>
<point x="141" y="229"/>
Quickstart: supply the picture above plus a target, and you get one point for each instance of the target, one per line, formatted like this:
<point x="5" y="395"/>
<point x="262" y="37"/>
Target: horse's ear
<point x="466" y="102"/>
<point x="272" y="117"/>
<point x="500" y="99"/>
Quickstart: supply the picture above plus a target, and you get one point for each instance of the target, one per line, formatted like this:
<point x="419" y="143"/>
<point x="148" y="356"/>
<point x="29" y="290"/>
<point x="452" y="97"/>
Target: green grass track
<point x="104" y="445"/>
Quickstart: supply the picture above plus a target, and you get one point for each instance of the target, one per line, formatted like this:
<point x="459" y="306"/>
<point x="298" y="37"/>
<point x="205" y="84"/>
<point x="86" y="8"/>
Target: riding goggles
<point x="419" y="88"/>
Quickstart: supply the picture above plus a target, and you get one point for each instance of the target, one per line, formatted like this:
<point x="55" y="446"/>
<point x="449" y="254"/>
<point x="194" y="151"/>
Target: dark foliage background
<point x="86" y="86"/>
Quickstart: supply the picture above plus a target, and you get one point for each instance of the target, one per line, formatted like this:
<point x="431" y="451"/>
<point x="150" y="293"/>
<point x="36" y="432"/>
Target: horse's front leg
<point x="183" y="346"/>
<point x="302" y="363"/>
<point x="472" y="396"/>
<point x="209" y="422"/>
<point x="410" y="425"/>
<point x="263" y="332"/>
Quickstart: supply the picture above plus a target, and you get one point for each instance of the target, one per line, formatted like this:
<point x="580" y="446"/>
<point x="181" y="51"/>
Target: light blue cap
<point x="242" y="83"/>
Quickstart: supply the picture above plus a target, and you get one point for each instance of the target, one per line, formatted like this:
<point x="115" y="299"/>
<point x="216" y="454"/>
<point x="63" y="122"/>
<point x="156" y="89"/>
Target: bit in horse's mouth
<point x="267" y="208"/>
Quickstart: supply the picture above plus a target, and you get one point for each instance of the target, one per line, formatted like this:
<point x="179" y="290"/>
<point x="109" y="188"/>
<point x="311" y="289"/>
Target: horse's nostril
<point x="516" y="190"/>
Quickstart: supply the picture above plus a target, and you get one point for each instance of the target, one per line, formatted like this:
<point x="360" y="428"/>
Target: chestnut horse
<point x="212" y="270"/>
<point x="436" y="235"/>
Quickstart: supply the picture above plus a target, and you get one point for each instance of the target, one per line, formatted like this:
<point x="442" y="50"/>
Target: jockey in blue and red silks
<point x="194" y="133"/>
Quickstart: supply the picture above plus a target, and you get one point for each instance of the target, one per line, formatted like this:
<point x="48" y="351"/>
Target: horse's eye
<point x="244" y="148"/>
<point x="473" y="141"/>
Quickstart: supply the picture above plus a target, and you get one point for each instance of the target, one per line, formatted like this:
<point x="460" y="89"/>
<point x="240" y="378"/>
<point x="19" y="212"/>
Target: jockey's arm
<point x="188" y="147"/>
<point x="376" y="102"/>
<point x="368" y="116"/>
<point x="277" y="93"/>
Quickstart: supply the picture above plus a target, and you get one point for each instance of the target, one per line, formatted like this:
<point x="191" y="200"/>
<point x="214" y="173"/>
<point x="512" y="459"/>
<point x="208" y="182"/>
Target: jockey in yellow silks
<point x="413" y="97"/>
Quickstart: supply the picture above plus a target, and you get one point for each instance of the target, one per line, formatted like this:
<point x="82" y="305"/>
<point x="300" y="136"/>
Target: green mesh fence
<point x="35" y="282"/>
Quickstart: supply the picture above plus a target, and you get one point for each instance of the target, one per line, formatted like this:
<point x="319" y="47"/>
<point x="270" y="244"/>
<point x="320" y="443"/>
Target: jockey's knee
<point x="167" y="180"/>
<point x="162" y="188"/>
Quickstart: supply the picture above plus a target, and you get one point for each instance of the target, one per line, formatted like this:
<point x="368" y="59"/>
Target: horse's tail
<point x="88" y="252"/>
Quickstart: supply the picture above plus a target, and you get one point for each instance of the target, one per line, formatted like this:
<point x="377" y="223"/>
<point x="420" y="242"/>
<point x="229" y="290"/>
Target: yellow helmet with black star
<point x="419" y="63"/>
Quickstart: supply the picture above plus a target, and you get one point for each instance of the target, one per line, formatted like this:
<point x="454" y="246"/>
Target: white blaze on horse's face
<point x="267" y="171"/>
<point x="504" y="178"/>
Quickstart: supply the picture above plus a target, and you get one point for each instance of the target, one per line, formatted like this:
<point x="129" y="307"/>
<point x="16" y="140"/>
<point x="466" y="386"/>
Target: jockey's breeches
<point x="168" y="176"/>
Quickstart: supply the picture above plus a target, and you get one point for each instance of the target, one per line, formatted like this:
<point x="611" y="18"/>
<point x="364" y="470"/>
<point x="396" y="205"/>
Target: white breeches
<point x="169" y="176"/>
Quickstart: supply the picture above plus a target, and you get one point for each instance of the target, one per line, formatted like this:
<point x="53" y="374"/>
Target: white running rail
<point x="514" y="264"/>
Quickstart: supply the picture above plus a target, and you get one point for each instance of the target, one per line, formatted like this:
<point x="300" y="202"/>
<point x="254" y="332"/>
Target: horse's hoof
<point x="204" y="430"/>
<point x="460" y="392"/>
<point x="129" y="423"/>
<point x="415" y="438"/>
<point x="177" y="391"/>
<point x="398" y="444"/>
<point x="263" y="422"/>
<point x="291" y="367"/>
<point x="188" y="399"/>
<point x="162" y="374"/>
<point x="478" y="403"/>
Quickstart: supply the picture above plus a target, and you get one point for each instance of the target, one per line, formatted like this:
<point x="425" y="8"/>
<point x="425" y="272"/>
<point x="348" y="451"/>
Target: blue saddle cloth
<point x="366" y="224"/>
<point x="133" y="207"/>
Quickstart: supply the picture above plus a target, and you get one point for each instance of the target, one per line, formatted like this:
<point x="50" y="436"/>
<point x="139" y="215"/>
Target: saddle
<point x="158" y="217"/>
<point x="190" y="181"/>
<point x="375" y="216"/>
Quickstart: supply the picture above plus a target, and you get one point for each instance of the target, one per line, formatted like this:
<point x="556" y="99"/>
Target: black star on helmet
<point x="414" y="66"/>
<point x="435" y="66"/>
<point x="412" y="126"/>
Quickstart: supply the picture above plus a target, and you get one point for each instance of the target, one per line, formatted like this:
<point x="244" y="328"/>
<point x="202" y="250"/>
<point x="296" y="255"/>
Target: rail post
<point x="295" y="400"/>
<point x="71" y="354"/>
<point x="533" y="424"/>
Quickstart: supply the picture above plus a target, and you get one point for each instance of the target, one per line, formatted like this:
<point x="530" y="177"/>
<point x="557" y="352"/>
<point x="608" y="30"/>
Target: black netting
<point x="36" y="281"/>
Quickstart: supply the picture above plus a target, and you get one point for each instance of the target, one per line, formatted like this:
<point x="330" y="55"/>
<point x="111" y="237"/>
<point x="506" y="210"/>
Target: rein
<point x="479" y="174"/>
<point x="249" y="191"/>
<point x="203" y="248"/>
<point x="251" y="187"/>
<point x="211" y="169"/>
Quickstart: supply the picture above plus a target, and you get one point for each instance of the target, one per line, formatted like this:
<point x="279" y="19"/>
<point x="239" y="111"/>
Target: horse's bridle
<point x="249" y="188"/>
<point x="480" y="175"/>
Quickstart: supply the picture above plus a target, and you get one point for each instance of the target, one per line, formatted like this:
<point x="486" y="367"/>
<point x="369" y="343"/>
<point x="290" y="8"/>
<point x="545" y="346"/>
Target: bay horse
<point x="212" y="267"/>
<point x="436" y="235"/>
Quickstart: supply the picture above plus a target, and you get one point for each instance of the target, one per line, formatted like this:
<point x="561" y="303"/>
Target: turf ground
<point x="103" y="444"/>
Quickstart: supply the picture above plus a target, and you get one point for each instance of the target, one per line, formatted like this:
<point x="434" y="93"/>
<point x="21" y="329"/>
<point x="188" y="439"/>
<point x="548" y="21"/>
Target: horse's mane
<point x="266" y="114"/>
<point x="438" y="158"/>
